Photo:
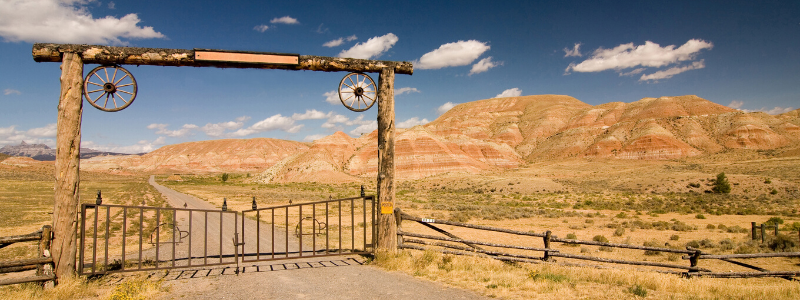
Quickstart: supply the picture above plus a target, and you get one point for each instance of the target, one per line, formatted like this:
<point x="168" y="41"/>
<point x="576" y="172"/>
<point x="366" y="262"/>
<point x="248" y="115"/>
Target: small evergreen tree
<point x="224" y="177"/>
<point x="721" y="185"/>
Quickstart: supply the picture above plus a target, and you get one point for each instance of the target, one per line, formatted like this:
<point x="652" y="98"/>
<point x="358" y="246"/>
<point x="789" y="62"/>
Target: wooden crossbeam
<point x="105" y="55"/>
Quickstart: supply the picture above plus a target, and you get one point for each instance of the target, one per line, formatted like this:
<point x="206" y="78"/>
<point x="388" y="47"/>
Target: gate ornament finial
<point x="224" y="204"/>
<point x="254" y="203"/>
<point x="99" y="199"/>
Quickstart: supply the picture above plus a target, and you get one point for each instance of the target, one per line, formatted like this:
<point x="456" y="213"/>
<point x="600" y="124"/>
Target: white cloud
<point x="275" y="122"/>
<point x="373" y="47"/>
<point x="313" y="137"/>
<point x="42" y="135"/>
<point x="11" y="91"/>
<point x="284" y="20"/>
<point x="339" y="41"/>
<point x="366" y="128"/>
<point x="334" y="43"/>
<point x="162" y="130"/>
<point x="405" y="90"/>
<point x="632" y="72"/>
<point x="218" y="129"/>
<point x="321" y="28"/>
<point x="112" y="5"/>
<point x="668" y="73"/>
<point x="334" y="119"/>
<point x="736" y="104"/>
<point x="47" y="131"/>
<point x="484" y="65"/>
<point x="648" y="55"/>
<point x="67" y="21"/>
<point x="332" y="97"/>
<point x="142" y="146"/>
<point x="412" y="122"/>
<point x="455" y="54"/>
<point x="575" y="51"/>
<point x="261" y="28"/>
<point x="515" y="92"/>
<point x="310" y="115"/>
<point x="445" y="107"/>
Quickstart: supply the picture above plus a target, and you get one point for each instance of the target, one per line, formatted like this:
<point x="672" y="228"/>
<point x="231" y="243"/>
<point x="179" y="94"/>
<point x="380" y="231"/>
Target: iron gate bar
<point x="82" y="263"/>
<point x="315" y="229"/>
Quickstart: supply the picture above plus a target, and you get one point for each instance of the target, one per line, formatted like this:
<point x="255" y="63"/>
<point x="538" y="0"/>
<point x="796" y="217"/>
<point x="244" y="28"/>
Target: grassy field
<point x="661" y="203"/>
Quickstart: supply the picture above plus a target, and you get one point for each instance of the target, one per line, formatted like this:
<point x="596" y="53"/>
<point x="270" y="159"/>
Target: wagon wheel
<point x="108" y="89"/>
<point x="357" y="92"/>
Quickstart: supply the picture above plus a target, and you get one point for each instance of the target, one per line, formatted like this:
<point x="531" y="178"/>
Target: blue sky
<point x="743" y="54"/>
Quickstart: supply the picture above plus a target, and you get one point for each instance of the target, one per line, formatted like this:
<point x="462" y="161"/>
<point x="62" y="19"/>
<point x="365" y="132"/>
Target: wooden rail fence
<point x="452" y="244"/>
<point x="43" y="264"/>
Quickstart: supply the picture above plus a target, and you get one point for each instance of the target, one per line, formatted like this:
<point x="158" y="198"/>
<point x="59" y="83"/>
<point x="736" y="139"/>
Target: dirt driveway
<point x="344" y="277"/>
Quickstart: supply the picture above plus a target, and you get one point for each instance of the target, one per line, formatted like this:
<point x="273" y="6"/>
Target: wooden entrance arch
<point x="70" y="110"/>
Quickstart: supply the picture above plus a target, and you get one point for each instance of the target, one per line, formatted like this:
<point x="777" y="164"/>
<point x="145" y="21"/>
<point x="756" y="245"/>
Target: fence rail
<point x="418" y="241"/>
<point x="43" y="264"/>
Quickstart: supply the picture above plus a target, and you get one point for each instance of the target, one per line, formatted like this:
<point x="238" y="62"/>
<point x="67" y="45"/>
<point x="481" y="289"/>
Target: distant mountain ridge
<point x="497" y="134"/>
<point x="44" y="153"/>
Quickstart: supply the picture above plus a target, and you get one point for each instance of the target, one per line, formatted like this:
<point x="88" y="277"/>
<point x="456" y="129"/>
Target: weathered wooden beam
<point x="95" y="54"/>
<point x="21" y="238"/>
<point x="26" y="279"/>
<point x="627" y="262"/>
<point x="481" y="227"/>
<point x="387" y="226"/>
<point x="67" y="166"/>
<point x="751" y="255"/>
<point x="746" y="274"/>
<point x="25" y="262"/>
<point x="468" y="249"/>
<point x="458" y="240"/>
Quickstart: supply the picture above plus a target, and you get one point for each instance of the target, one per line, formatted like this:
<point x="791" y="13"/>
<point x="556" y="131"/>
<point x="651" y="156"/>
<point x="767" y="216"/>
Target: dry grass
<point x="526" y="281"/>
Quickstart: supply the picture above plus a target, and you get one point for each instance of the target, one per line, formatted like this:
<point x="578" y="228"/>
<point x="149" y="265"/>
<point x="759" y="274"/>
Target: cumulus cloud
<point x="112" y="5"/>
<point x="484" y="65"/>
<point x="332" y="97"/>
<point x="515" y="92"/>
<point x="632" y="72"/>
<point x="313" y="137"/>
<point x="648" y="55"/>
<point x="736" y="104"/>
<point x="405" y="90"/>
<point x="668" y="73"/>
<point x="445" y="107"/>
<point x="412" y="122"/>
<point x="11" y="92"/>
<point x="261" y="28"/>
<point x="142" y="146"/>
<point x="275" y="122"/>
<point x="284" y="20"/>
<point x="373" y="47"/>
<point x="219" y="129"/>
<point x="310" y="115"/>
<point x="334" y="119"/>
<point x="161" y="129"/>
<point x="575" y="51"/>
<point x="366" y="128"/>
<point x="455" y="54"/>
<point x="42" y="135"/>
<point x="67" y="21"/>
<point x="338" y="42"/>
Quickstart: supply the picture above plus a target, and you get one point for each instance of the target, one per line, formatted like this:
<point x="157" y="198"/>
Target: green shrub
<point x="721" y="185"/>
<point x="693" y="244"/>
<point x="652" y="243"/>
<point x="674" y="237"/>
<point x="638" y="290"/>
<point x="782" y="243"/>
<point x="774" y="220"/>
<point x="619" y="232"/>
<point x="773" y="192"/>
<point x="224" y="177"/>
<point x="700" y="216"/>
<point x="711" y="226"/>
<point x="767" y="181"/>
<point x="600" y="238"/>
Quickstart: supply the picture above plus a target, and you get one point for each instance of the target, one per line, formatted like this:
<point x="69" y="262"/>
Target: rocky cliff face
<point x="496" y="134"/>
<point x="42" y="152"/>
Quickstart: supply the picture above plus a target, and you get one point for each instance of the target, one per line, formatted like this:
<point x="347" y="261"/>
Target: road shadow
<point x="231" y="270"/>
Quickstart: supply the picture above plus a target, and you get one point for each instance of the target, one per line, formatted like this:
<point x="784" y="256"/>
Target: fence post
<point x="44" y="251"/>
<point x="695" y="258"/>
<point x="763" y="233"/>
<point x="776" y="229"/>
<point x="753" y="230"/>
<point x="398" y="215"/>
<point x="547" y="236"/>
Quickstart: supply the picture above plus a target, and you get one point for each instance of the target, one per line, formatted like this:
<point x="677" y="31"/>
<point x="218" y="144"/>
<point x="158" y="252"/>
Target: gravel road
<point x="341" y="277"/>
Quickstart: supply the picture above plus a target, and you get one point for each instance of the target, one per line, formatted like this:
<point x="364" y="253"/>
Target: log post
<point x="387" y="226"/>
<point x="67" y="165"/>
<point x="776" y="229"/>
<point x="547" y="236"/>
<point x="398" y="215"/>
<point x="753" y="230"/>
<point x="763" y="233"/>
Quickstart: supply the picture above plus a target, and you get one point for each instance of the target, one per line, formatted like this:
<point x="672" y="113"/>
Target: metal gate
<point x="120" y="238"/>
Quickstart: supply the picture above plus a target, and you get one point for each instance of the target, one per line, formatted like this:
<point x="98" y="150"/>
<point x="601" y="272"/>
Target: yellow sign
<point x="387" y="208"/>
